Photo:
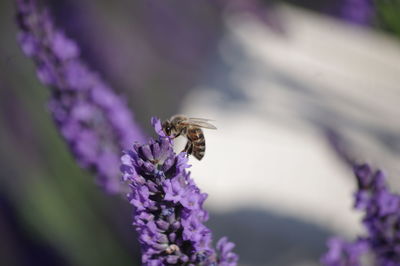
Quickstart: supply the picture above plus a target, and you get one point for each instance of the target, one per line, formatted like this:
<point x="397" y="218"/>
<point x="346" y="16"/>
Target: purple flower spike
<point x="95" y="122"/>
<point x="342" y="253"/>
<point x="381" y="219"/>
<point x="226" y="256"/>
<point x="168" y="214"/>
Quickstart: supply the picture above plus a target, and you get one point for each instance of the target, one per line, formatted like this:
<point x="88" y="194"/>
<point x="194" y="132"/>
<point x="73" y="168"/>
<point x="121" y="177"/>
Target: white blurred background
<point x="269" y="156"/>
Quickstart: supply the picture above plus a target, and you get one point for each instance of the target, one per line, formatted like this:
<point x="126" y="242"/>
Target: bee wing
<point x="199" y="119"/>
<point x="201" y="122"/>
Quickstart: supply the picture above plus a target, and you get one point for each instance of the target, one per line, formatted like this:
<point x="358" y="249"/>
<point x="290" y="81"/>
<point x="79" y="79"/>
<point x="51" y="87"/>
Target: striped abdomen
<point x="198" y="143"/>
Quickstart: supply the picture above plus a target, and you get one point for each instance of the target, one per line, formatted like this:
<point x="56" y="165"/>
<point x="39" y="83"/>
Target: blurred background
<point x="275" y="75"/>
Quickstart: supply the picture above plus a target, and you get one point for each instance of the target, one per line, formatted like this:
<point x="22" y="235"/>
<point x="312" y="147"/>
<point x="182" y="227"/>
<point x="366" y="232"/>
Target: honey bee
<point x="191" y="128"/>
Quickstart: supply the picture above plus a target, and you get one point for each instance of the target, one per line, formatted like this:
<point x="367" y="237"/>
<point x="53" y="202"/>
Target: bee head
<point x="167" y="127"/>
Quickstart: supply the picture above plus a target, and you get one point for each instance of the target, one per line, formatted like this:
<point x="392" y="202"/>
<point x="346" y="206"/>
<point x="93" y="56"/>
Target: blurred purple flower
<point x="381" y="219"/>
<point x="95" y="122"/>
<point x="341" y="253"/>
<point x="168" y="207"/>
<point x="357" y="11"/>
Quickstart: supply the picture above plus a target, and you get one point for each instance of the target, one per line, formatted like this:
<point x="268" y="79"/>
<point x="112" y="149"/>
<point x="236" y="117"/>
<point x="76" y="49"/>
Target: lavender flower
<point x="168" y="207"/>
<point x="342" y="253"/>
<point x="94" y="121"/>
<point x="381" y="219"/>
<point x="225" y="255"/>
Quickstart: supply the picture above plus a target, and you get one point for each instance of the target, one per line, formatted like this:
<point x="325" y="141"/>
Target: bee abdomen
<point x="199" y="153"/>
<point x="196" y="136"/>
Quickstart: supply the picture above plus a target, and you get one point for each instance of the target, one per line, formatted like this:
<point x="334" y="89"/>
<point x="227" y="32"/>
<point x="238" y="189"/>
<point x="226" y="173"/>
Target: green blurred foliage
<point x="388" y="15"/>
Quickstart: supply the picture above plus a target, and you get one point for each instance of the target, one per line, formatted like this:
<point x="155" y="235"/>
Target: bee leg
<point x="188" y="148"/>
<point x="179" y="133"/>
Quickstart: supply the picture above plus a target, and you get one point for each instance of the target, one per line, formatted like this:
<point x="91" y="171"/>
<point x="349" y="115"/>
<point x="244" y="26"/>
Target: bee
<point x="191" y="128"/>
